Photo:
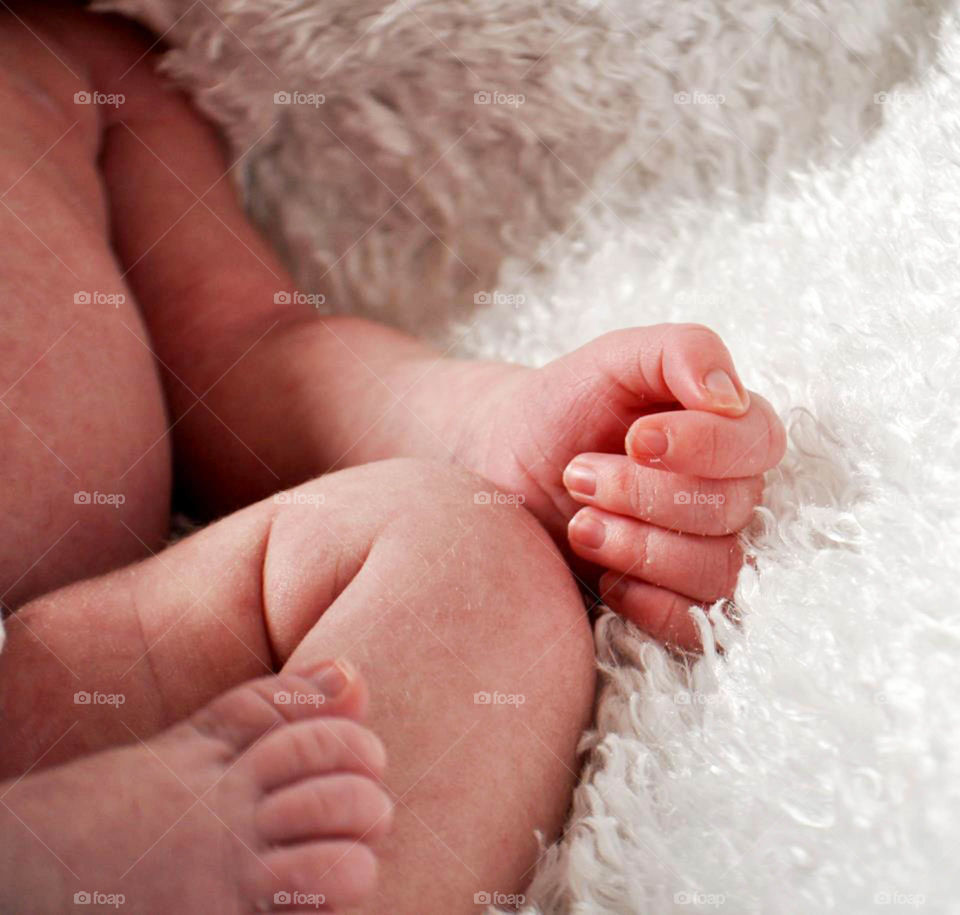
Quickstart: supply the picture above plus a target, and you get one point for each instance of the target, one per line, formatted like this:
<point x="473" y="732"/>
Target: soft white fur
<point x="815" y="766"/>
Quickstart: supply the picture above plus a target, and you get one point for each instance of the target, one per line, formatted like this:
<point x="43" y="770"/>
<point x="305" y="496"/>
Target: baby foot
<point x="266" y="799"/>
<point x="651" y="429"/>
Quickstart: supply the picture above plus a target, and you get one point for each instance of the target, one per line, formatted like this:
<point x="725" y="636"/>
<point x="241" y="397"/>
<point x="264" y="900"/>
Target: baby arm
<point x="262" y="394"/>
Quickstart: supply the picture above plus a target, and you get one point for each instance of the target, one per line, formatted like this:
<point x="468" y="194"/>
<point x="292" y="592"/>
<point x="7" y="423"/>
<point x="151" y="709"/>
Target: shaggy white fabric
<point x="815" y="766"/>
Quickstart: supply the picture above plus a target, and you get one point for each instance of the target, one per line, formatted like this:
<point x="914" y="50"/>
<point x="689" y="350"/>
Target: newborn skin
<point x="658" y="415"/>
<point x="355" y="467"/>
<point x="270" y="800"/>
<point x="651" y="430"/>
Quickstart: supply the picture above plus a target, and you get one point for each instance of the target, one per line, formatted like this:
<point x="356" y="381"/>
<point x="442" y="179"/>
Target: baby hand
<point x="662" y="518"/>
<point x="651" y="430"/>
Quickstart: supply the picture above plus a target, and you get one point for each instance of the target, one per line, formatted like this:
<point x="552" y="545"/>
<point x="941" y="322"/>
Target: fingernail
<point x="723" y="392"/>
<point x="579" y="477"/>
<point x="648" y="442"/>
<point x="588" y="530"/>
<point x="334" y="679"/>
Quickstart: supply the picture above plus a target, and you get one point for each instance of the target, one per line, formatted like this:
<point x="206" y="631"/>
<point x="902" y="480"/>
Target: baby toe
<point x="305" y="749"/>
<point x="341" y="805"/>
<point x="321" y="875"/>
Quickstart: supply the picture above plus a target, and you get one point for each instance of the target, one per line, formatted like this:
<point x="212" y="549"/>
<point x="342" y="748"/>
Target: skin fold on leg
<point x="232" y="350"/>
<point x="460" y="614"/>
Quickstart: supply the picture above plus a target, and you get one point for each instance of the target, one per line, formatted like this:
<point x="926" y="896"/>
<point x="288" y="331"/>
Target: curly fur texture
<point x="814" y="764"/>
<point x="401" y="196"/>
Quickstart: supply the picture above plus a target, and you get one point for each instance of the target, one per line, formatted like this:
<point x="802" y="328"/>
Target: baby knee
<point x="510" y="589"/>
<point x="525" y="603"/>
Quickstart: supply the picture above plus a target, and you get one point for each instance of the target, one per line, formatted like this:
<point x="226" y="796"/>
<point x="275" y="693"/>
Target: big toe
<point x="247" y="713"/>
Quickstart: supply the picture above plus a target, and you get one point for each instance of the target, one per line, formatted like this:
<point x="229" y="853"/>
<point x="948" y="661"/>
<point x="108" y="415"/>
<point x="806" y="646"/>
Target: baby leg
<point x="459" y="612"/>
<point x="85" y="462"/>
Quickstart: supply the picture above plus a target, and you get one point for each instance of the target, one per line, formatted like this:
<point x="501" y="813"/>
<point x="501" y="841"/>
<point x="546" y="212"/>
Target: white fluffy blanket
<point x="787" y="172"/>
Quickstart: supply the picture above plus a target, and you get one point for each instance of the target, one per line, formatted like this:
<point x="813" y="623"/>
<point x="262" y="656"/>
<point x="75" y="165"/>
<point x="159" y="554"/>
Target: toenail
<point x="579" y="477"/>
<point x="723" y="392"/>
<point x="648" y="442"/>
<point x="334" y="679"/>
<point x="588" y="530"/>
